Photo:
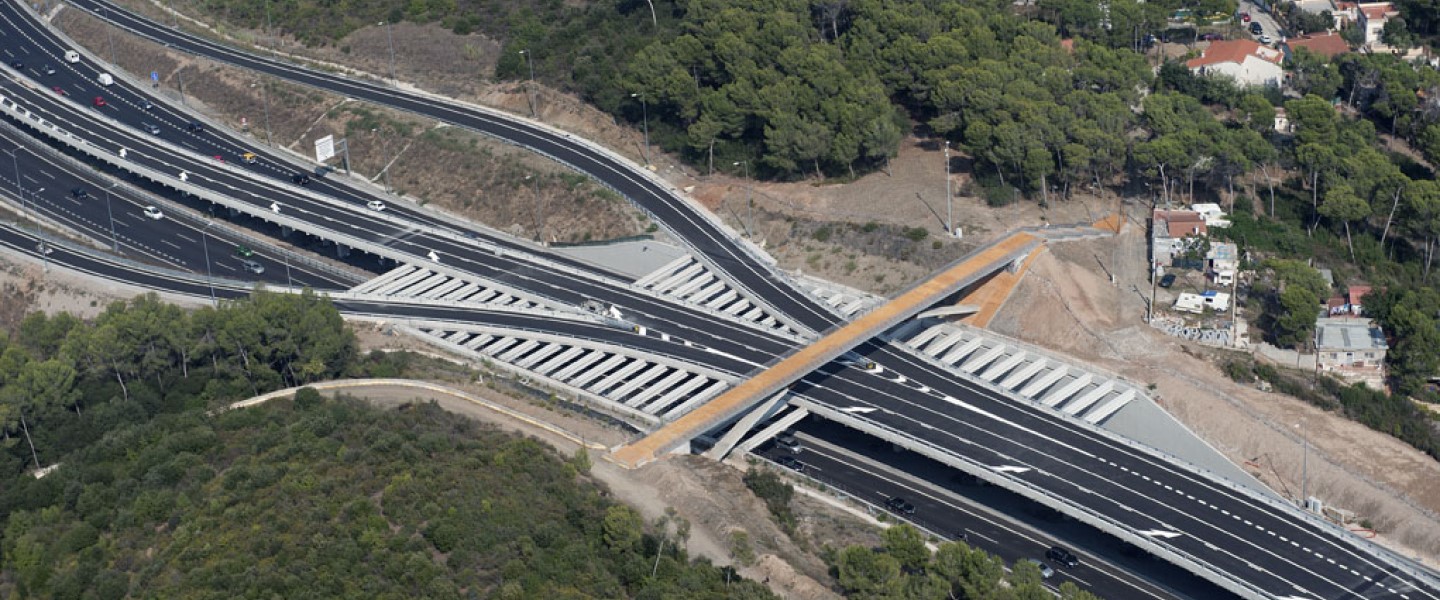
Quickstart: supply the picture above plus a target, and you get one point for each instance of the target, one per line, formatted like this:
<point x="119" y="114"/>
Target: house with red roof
<point x="1247" y="62"/>
<point x="1372" y="17"/>
<point x="1328" y="44"/>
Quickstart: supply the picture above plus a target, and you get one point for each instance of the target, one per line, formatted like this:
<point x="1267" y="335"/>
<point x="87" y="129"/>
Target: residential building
<point x="1353" y="349"/>
<point x="1355" y="297"/>
<point x="1372" y="17"/>
<point x="1170" y="230"/>
<point x="1246" y="61"/>
<point x="1223" y="260"/>
<point x="1282" y="121"/>
<point x="1328" y="44"/>
<point x="1211" y="213"/>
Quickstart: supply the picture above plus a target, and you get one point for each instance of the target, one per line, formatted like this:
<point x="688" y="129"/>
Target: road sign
<point x="155" y="76"/>
<point x="325" y="148"/>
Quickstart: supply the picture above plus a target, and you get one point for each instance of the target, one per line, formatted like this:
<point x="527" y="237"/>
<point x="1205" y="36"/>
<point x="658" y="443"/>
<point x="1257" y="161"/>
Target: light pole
<point x="109" y="34"/>
<point x="949" y="205"/>
<point x="39" y="232"/>
<point x="749" y="194"/>
<point x="390" y="34"/>
<point x="1304" y="465"/>
<point x="535" y="211"/>
<point x="205" y="245"/>
<point x="114" y="241"/>
<point x="15" y="156"/>
<point x="645" y="119"/>
<point x="385" y="168"/>
<point x="265" y="98"/>
<point x="530" y="95"/>
<point x="290" y="283"/>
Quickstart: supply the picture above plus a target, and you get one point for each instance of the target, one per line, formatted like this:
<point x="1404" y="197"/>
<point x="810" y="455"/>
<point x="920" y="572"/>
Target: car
<point x="1045" y="570"/>
<point x="375" y="205"/>
<point x="79" y="193"/>
<point x="1062" y="557"/>
<point x="1212" y="37"/>
<point x="1168" y="280"/>
<point x="1265" y="39"/>
<point x="48" y="70"/>
<point x="60" y="90"/>
<point x="244" y="251"/>
<point x="154" y="213"/>
<point x="249" y="157"/>
<point x="791" y="463"/>
<point x="194" y="127"/>
<point x="19" y="66"/>
<point x="900" y="506"/>
<point x="218" y="158"/>
<point x="789" y="442"/>
<point x="99" y="102"/>
<point x="1245" y="17"/>
<point x="150" y="128"/>
<point x="145" y="104"/>
<point x="300" y="179"/>
<point x="44" y="248"/>
<point x="252" y="266"/>
<point x="1255" y="28"/>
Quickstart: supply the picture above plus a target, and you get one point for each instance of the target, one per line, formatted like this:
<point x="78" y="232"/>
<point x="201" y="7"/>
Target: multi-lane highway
<point x="923" y="406"/>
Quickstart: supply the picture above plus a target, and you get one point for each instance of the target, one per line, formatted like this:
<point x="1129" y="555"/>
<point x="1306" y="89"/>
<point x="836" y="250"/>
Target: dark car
<point x="79" y="194"/>
<point x="1213" y="37"/>
<point x="244" y="251"/>
<point x="19" y="66"/>
<point x="789" y="442"/>
<point x="1062" y="557"/>
<point x="300" y="178"/>
<point x="1168" y="280"/>
<point x="791" y="463"/>
<point x="48" y="70"/>
<point x="1255" y="28"/>
<point x="195" y="127"/>
<point x="900" y="506"/>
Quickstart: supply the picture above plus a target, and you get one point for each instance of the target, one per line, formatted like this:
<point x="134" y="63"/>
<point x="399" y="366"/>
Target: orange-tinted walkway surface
<point x="992" y="294"/>
<point x="837" y="342"/>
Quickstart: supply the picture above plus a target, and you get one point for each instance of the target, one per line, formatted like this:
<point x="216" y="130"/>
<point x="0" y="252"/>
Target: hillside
<point x="332" y="500"/>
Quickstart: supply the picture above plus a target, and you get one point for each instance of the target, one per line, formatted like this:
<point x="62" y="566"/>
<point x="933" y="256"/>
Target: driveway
<point x="1266" y="21"/>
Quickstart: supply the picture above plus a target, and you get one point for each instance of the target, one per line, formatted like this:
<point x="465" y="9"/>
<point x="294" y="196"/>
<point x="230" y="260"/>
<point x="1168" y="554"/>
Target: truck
<point x="72" y="56"/>
<point x="105" y="79"/>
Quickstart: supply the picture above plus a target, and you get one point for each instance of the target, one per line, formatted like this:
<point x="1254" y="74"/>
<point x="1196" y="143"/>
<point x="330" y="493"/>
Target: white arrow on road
<point x="275" y="207"/>
<point x="184" y="176"/>
<point x="123" y="152"/>
<point x="858" y="410"/>
<point x="1161" y="533"/>
<point x="1009" y="469"/>
<point x="433" y="256"/>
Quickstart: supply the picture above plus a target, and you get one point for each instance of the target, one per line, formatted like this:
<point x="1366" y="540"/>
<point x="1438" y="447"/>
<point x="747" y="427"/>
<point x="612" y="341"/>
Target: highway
<point x="1271" y="547"/>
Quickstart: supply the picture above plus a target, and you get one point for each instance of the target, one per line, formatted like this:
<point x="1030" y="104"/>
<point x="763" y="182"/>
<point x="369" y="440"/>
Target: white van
<point x="105" y="79"/>
<point x="72" y="56"/>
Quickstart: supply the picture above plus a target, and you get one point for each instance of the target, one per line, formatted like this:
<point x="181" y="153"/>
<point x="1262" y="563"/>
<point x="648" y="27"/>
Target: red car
<point x="1245" y="17"/>
<point x="60" y="90"/>
<point x="99" y="102"/>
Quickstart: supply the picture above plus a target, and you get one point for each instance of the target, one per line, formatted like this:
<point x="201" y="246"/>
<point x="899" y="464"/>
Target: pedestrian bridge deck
<point x="838" y="340"/>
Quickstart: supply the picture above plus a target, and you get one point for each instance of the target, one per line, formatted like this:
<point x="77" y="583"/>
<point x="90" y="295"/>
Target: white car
<point x="375" y="205"/>
<point x="154" y="213"/>
<point x="1265" y="39"/>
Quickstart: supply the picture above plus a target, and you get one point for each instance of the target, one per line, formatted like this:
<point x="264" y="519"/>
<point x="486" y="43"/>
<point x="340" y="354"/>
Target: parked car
<point x="1168" y="280"/>
<point x="1245" y="17"/>
<point x="1212" y="37"/>
<point x="900" y="506"/>
<point x="1255" y="28"/>
<point x="1062" y="557"/>
<point x="1267" y="40"/>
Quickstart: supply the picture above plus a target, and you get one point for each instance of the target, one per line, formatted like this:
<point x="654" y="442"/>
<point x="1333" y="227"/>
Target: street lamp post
<point x="385" y="168"/>
<point x="114" y="241"/>
<point x="535" y="212"/>
<point x="205" y="245"/>
<point x="530" y="95"/>
<point x="749" y="195"/>
<point x="949" y="205"/>
<point x="390" y="35"/>
<point x="265" y="98"/>
<point x="1304" y="465"/>
<point x="109" y="34"/>
<point x="645" y="119"/>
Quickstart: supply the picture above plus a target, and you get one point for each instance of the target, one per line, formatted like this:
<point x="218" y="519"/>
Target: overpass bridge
<point x="1006" y="253"/>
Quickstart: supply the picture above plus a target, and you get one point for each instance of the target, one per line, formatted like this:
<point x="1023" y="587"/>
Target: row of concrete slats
<point x="499" y="345"/>
<point x="1041" y="383"/>
<point x="612" y="380"/>
<point x="1068" y="389"/>
<point x="658" y="407"/>
<point x="479" y="341"/>
<point x="921" y="339"/>
<point x="649" y="393"/>
<point x="465" y="291"/>
<point x="623" y="392"/>
<point x="454" y="337"/>
<point x="1025" y="373"/>
<point x="976" y="363"/>
<point x="679" y="277"/>
<point x="518" y="351"/>
<point x="701" y="395"/>
<point x="853" y="307"/>
<point x="685" y="289"/>
<point x="724" y="298"/>
<point x="589" y="375"/>
<point x="669" y="268"/>
<point x="546" y="351"/>
<point x="424" y="285"/>
<point x="389" y="276"/>
<point x="940" y="346"/>
<point x="440" y="290"/>
<point x="582" y="363"/>
<point x="706" y="294"/>
<point x="560" y="360"/>
<point x="1110" y="407"/>
<point x="1089" y="398"/>
<point x="1000" y="368"/>
<point x="737" y="307"/>
<point x="394" y="287"/>
<point x="962" y="350"/>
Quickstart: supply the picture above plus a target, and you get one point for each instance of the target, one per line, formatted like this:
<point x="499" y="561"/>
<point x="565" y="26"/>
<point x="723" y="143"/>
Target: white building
<point x="1224" y="261"/>
<point x="1372" y="17"/>
<point x="1246" y="61"/>
<point x="1352" y="348"/>
<point x="1211" y="213"/>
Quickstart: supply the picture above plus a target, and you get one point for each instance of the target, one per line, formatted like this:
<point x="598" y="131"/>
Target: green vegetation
<point x="155" y="496"/>
<point x="776" y="493"/>
<point x="903" y="568"/>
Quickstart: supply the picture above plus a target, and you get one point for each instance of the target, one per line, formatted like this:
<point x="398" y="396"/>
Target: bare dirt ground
<point x="1067" y="304"/>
